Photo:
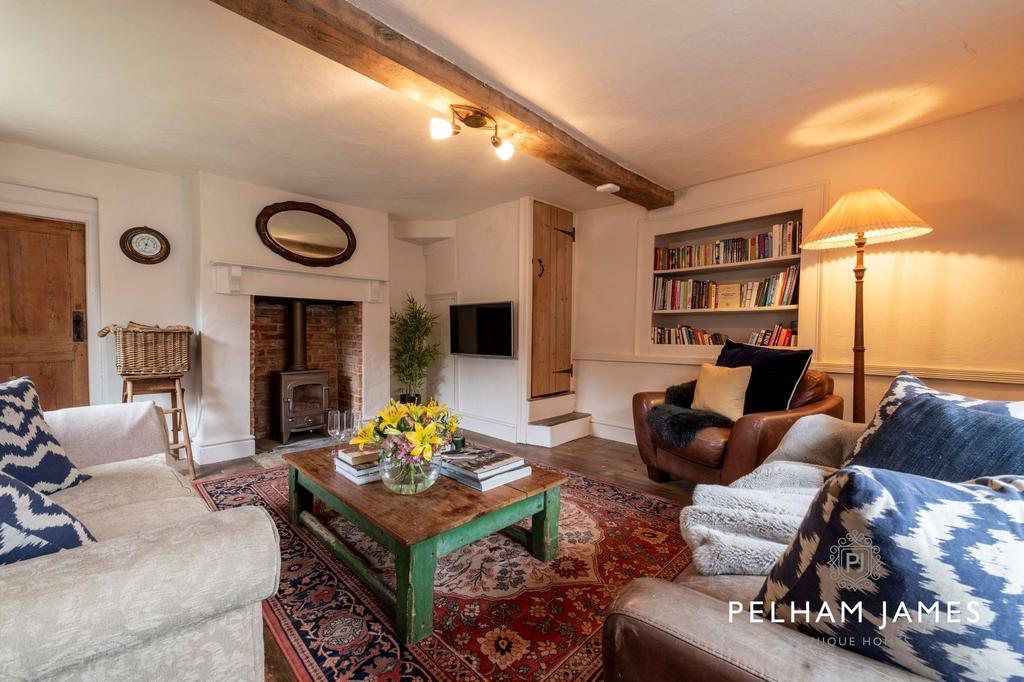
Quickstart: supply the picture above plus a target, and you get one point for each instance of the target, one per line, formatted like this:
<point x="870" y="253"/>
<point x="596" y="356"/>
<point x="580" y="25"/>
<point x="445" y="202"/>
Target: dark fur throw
<point x="681" y="395"/>
<point x="678" y="425"/>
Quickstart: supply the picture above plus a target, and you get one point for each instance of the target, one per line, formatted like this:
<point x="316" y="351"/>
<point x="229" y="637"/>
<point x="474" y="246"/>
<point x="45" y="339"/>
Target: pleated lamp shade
<point x="872" y="212"/>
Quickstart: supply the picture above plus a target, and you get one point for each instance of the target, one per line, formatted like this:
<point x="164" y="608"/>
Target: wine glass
<point x="355" y="422"/>
<point x="334" y="424"/>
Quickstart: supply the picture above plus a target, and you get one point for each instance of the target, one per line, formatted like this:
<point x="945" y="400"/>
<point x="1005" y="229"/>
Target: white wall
<point x="944" y="305"/>
<point x="481" y="264"/>
<point x="207" y="219"/>
<point x="46" y="183"/>
<point x="408" y="267"/>
<point x="227" y="212"/>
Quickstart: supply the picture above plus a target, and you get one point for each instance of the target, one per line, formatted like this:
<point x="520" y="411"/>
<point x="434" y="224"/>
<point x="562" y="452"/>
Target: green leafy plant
<point x="411" y="354"/>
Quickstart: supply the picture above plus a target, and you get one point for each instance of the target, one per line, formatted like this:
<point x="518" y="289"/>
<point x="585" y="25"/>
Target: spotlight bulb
<point x="503" y="148"/>
<point x="441" y="129"/>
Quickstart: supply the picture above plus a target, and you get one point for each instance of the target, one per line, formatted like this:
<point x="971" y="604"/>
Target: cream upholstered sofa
<point x="171" y="590"/>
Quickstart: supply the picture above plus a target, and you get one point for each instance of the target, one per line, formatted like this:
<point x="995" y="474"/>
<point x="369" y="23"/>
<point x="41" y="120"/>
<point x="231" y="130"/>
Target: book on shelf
<point x="778" y="335"/>
<point x="359" y="474"/>
<point x="690" y="294"/>
<point x="783" y="239"/>
<point x="729" y="295"/>
<point x="489" y="482"/>
<point x="685" y="335"/>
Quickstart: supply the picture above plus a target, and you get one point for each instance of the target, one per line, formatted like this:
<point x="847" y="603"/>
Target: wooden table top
<point x="411" y="518"/>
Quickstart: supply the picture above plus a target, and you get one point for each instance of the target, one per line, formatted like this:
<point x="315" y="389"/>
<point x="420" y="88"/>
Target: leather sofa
<point x="721" y="455"/>
<point x="661" y="630"/>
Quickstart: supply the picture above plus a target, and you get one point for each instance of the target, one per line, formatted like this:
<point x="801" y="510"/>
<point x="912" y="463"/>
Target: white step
<point x="558" y="429"/>
<point x="550" y="406"/>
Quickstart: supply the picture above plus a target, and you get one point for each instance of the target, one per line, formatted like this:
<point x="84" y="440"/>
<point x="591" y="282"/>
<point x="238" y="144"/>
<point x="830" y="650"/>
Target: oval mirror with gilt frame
<point x="306" y="233"/>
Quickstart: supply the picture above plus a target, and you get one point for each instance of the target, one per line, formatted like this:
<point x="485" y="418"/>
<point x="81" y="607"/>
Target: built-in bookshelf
<point x="737" y="281"/>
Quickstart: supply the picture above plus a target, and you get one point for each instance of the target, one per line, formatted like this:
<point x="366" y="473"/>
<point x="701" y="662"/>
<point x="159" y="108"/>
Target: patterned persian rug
<point x="499" y="614"/>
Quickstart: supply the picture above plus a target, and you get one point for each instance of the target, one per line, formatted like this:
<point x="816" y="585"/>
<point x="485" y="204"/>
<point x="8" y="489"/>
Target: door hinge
<point x="571" y="232"/>
<point x="567" y="370"/>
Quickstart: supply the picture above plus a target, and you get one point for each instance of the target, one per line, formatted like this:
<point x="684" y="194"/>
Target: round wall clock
<point x="145" y="245"/>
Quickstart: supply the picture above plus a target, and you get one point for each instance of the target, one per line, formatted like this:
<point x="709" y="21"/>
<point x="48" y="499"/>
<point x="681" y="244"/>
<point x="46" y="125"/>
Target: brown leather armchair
<point x="721" y="455"/>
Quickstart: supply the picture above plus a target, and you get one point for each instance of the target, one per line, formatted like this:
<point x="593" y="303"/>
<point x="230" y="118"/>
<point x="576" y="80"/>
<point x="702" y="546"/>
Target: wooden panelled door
<point x="42" y="307"/>
<point x="551" y="354"/>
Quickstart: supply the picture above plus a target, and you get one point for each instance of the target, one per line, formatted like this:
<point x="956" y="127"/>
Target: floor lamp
<point x="867" y="216"/>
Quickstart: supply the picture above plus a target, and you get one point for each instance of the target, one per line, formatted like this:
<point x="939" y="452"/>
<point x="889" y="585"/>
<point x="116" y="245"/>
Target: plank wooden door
<point x="42" y="307"/>
<point x="551" y="354"/>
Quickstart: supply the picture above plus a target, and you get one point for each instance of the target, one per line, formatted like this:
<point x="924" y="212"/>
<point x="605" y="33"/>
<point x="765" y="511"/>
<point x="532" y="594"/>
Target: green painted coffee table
<point x="418" y="529"/>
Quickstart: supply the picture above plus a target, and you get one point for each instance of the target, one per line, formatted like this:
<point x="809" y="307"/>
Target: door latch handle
<point x="540" y="262"/>
<point x="77" y="326"/>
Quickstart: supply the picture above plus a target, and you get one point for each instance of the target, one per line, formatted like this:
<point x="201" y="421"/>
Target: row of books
<point x="783" y="239"/>
<point x="684" y="335"/>
<point x="779" y="335"/>
<point x="358" y="467"/>
<point x="483" y="468"/>
<point x="691" y="294"/>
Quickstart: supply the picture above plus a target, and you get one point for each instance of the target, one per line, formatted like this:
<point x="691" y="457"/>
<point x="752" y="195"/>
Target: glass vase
<point x="406" y="478"/>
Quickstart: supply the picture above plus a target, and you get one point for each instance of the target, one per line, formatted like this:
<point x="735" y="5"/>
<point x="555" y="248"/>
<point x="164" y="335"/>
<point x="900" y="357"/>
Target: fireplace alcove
<point x="305" y="358"/>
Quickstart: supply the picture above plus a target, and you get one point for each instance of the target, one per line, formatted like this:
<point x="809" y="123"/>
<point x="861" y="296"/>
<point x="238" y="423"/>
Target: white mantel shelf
<point x="248" y="279"/>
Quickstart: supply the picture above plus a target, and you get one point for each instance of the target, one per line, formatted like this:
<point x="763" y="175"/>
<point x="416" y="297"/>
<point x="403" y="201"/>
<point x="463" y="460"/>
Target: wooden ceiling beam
<point x="348" y="35"/>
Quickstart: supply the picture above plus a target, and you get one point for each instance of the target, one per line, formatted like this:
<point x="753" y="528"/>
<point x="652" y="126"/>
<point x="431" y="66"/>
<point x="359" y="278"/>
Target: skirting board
<point x="494" y="428"/>
<point x="212" y="453"/>
<point x="622" y="434"/>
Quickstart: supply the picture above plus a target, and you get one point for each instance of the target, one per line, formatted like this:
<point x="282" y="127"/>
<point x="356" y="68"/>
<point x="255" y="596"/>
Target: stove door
<point x="306" y="399"/>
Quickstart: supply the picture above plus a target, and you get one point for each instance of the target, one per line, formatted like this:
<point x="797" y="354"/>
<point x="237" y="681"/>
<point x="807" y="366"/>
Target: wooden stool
<point x="148" y="385"/>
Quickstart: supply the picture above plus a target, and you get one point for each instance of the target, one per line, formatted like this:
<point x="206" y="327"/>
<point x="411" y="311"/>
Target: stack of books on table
<point x="358" y="467"/>
<point x="483" y="468"/>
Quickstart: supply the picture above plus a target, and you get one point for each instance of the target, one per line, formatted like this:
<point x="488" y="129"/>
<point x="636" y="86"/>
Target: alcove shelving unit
<point x="735" y="323"/>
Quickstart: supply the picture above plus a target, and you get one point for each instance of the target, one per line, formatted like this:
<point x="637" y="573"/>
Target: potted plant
<point x="411" y="353"/>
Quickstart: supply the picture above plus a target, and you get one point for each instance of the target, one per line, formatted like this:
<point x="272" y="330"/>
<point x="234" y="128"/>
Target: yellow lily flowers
<point x="425" y="428"/>
<point x="365" y="436"/>
<point x="424" y="439"/>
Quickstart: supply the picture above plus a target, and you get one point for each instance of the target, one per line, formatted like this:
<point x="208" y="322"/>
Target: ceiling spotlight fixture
<point x="503" y="148"/>
<point x="608" y="188"/>
<point x="440" y="129"/>
<point x="471" y="117"/>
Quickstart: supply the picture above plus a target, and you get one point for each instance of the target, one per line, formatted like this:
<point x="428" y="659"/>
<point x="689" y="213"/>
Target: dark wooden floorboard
<point x="592" y="457"/>
<point x="605" y="460"/>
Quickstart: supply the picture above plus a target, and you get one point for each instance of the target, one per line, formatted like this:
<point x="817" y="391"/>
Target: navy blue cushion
<point x="907" y="386"/>
<point x="774" y="374"/>
<point x="876" y="542"/>
<point x="937" y="438"/>
<point x="32" y="525"/>
<point x="28" y="449"/>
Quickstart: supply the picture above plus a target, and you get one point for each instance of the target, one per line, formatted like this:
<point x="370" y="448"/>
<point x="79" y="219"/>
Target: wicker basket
<point x="149" y="350"/>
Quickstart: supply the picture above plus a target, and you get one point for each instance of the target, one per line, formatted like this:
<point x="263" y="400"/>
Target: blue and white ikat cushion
<point x="922" y="574"/>
<point x="29" y="451"/>
<point x="31" y="525"/>
<point x="906" y="387"/>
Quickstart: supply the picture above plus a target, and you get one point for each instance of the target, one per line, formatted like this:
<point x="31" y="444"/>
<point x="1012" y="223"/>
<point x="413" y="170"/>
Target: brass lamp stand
<point x="857" y="219"/>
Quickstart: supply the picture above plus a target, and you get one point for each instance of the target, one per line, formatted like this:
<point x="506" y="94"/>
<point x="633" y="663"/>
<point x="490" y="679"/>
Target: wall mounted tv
<point x="484" y="329"/>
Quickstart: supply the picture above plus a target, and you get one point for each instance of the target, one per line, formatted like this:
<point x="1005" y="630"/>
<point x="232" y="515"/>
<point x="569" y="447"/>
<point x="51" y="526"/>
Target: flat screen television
<point x="484" y="329"/>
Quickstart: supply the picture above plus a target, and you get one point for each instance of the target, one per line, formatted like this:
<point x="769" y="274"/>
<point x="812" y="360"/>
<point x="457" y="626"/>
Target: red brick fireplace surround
<point x="334" y="333"/>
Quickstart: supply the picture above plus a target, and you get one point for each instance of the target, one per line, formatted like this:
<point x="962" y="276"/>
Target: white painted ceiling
<point x="683" y="92"/>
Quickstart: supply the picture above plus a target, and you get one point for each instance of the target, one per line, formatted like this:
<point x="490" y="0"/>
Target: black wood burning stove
<point x="298" y="395"/>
